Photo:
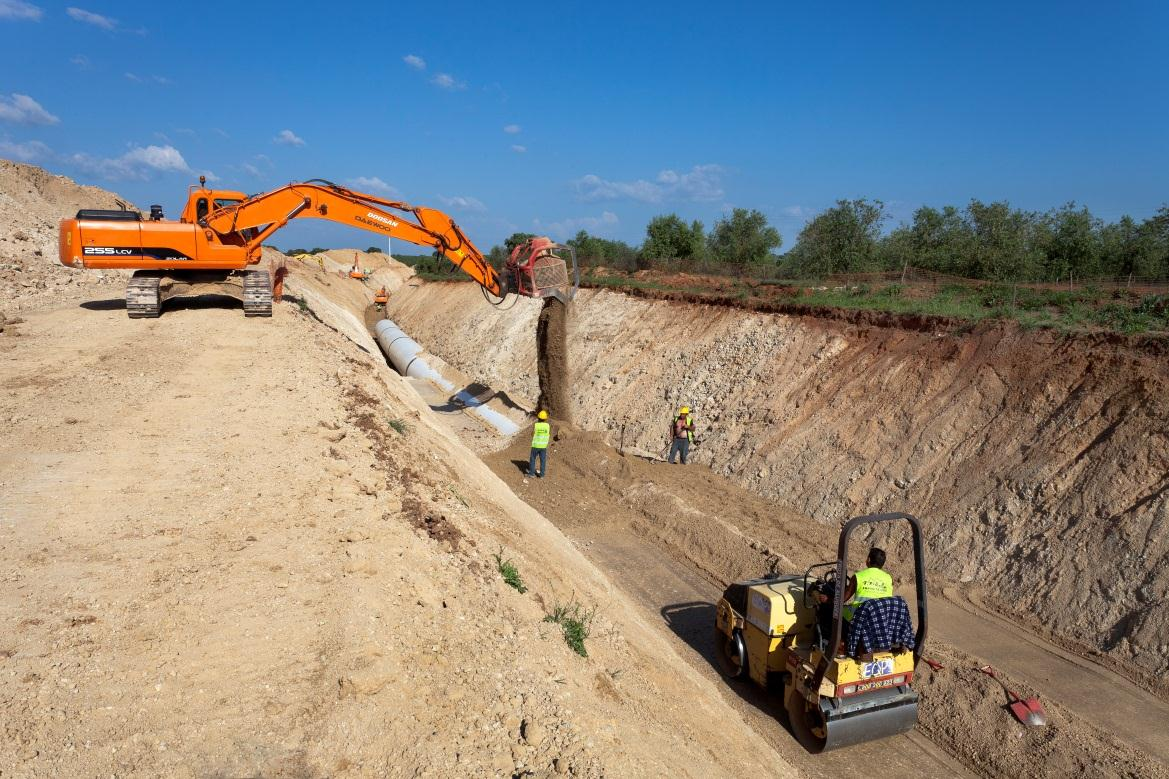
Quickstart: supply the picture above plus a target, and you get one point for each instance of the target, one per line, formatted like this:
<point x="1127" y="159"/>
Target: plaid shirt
<point x="880" y="624"/>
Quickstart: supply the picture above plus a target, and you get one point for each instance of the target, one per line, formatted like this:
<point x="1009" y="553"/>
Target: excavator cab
<point x="776" y="631"/>
<point x="538" y="268"/>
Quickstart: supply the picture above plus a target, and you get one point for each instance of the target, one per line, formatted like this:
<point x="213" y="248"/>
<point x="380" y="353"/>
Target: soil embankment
<point x="1037" y="460"/>
<point x="271" y="560"/>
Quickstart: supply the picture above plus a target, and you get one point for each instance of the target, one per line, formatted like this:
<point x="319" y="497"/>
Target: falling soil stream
<point x="552" y="360"/>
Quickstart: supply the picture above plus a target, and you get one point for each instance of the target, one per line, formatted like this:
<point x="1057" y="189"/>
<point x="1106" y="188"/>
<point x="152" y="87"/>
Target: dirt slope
<point x="221" y="559"/>
<point x="1039" y="462"/>
<point x="32" y="204"/>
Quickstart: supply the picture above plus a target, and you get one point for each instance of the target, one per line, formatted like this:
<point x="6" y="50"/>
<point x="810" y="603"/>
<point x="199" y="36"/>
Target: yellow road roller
<point x="787" y="632"/>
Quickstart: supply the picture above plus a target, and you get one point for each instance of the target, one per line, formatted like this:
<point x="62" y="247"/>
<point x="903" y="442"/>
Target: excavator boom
<point x="262" y="215"/>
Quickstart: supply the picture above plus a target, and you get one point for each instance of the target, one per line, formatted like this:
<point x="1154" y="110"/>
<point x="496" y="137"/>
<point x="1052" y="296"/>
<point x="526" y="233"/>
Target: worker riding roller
<point x="787" y="631"/>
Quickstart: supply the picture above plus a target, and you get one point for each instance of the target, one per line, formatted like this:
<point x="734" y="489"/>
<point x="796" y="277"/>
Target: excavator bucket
<point x="539" y="269"/>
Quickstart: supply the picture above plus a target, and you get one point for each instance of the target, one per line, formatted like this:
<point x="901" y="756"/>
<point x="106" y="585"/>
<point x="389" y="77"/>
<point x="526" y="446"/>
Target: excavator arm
<point x="254" y="220"/>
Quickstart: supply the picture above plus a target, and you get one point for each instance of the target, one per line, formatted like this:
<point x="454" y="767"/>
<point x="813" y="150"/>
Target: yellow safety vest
<point x="871" y="583"/>
<point x="541" y="432"/>
<point x="689" y="421"/>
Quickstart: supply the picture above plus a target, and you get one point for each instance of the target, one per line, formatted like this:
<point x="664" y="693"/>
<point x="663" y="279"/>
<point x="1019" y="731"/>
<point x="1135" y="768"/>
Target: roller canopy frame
<point x="842" y="577"/>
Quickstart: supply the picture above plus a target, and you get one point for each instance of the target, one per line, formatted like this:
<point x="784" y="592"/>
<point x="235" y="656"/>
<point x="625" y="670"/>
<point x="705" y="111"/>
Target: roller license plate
<point x="877" y="668"/>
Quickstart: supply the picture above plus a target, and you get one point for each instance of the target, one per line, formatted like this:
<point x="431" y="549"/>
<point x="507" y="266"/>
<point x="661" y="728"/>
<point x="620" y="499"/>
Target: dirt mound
<point x="1037" y="460"/>
<point x="552" y="360"/>
<point x="32" y="204"/>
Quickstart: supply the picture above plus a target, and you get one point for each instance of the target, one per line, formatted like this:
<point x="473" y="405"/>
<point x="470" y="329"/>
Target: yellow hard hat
<point x="684" y="410"/>
<point x="542" y="415"/>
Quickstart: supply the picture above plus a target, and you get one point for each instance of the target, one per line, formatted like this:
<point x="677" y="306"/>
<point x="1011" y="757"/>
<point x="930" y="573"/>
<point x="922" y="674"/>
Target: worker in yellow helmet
<point x="541" y="434"/>
<point x="682" y="434"/>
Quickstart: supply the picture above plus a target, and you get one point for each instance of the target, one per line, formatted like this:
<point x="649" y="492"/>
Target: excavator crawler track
<point x="142" y="297"/>
<point x="257" y="293"/>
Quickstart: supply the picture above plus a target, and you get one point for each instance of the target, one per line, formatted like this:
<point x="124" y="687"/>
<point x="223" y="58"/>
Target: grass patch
<point x="460" y="498"/>
<point x="399" y="426"/>
<point x="576" y="622"/>
<point x="509" y="572"/>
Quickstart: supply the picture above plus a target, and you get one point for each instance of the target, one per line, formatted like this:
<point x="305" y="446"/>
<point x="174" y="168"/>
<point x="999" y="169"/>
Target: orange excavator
<point x="217" y="239"/>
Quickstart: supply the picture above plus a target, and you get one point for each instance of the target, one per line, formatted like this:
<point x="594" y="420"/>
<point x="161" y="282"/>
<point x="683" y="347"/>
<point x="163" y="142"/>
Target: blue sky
<point x="550" y="117"/>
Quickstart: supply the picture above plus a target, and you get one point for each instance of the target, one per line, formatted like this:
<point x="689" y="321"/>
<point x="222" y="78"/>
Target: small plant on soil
<point x="576" y="622"/>
<point x="399" y="426"/>
<point x="509" y="572"/>
<point x="459" y="497"/>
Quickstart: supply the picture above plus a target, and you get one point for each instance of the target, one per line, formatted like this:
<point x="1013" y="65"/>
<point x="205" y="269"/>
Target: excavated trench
<point x="1039" y="462"/>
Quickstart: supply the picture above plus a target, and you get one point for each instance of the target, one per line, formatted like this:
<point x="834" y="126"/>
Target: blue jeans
<point x="543" y="455"/>
<point x="681" y="447"/>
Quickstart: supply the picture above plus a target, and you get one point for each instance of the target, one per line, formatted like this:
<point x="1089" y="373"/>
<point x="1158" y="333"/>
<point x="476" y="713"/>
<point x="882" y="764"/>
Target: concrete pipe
<point x="405" y="355"/>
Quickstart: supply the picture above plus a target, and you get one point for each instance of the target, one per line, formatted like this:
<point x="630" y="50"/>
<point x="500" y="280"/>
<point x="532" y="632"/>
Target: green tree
<point x="591" y="250"/>
<point x="668" y="237"/>
<point x="373" y="250"/>
<point x="943" y="241"/>
<point x="1073" y="243"/>
<point x="515" y="239"/>
<point x="1008" y="243"/>
<point x="743" y="237"/>
<point x="841" y="239"/>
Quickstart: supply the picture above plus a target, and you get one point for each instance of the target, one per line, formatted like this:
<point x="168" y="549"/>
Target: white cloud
<point x="414" y="61"/>
<point x="288" y="138"/>
<point x="22" y="109"/>
<point x="138" y="163"/>
<point x="81" y="61"/>
<point x="88" y="17"/>
<point x="797" y="212"/>
<point x="566" y="228"/>
<point x="146" y="79"/>
<point x="518" y="149"/>
<point x="24" y="152"/>
<point x="372" y="184"/>
<point x="447" y="81"/>
<point x="511" y="129"/>
<point x="703" y="183"/>
<point x="471" y="204"/>
<point x="21" y="11"/>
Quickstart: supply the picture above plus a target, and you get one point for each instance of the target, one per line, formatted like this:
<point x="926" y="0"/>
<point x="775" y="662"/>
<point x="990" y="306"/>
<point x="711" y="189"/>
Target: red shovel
<point x="1029" y="711"/>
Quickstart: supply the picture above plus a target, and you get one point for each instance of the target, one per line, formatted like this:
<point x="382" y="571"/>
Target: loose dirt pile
<point x="552" y="360"/>
<point x="1037" y="460"/>
<point x="32" y="204"/>
<point x="700" y="519"/>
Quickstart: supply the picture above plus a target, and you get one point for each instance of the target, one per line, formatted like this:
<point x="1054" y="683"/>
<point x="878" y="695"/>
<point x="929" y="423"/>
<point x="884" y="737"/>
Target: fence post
<point x="904" y="268"/>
